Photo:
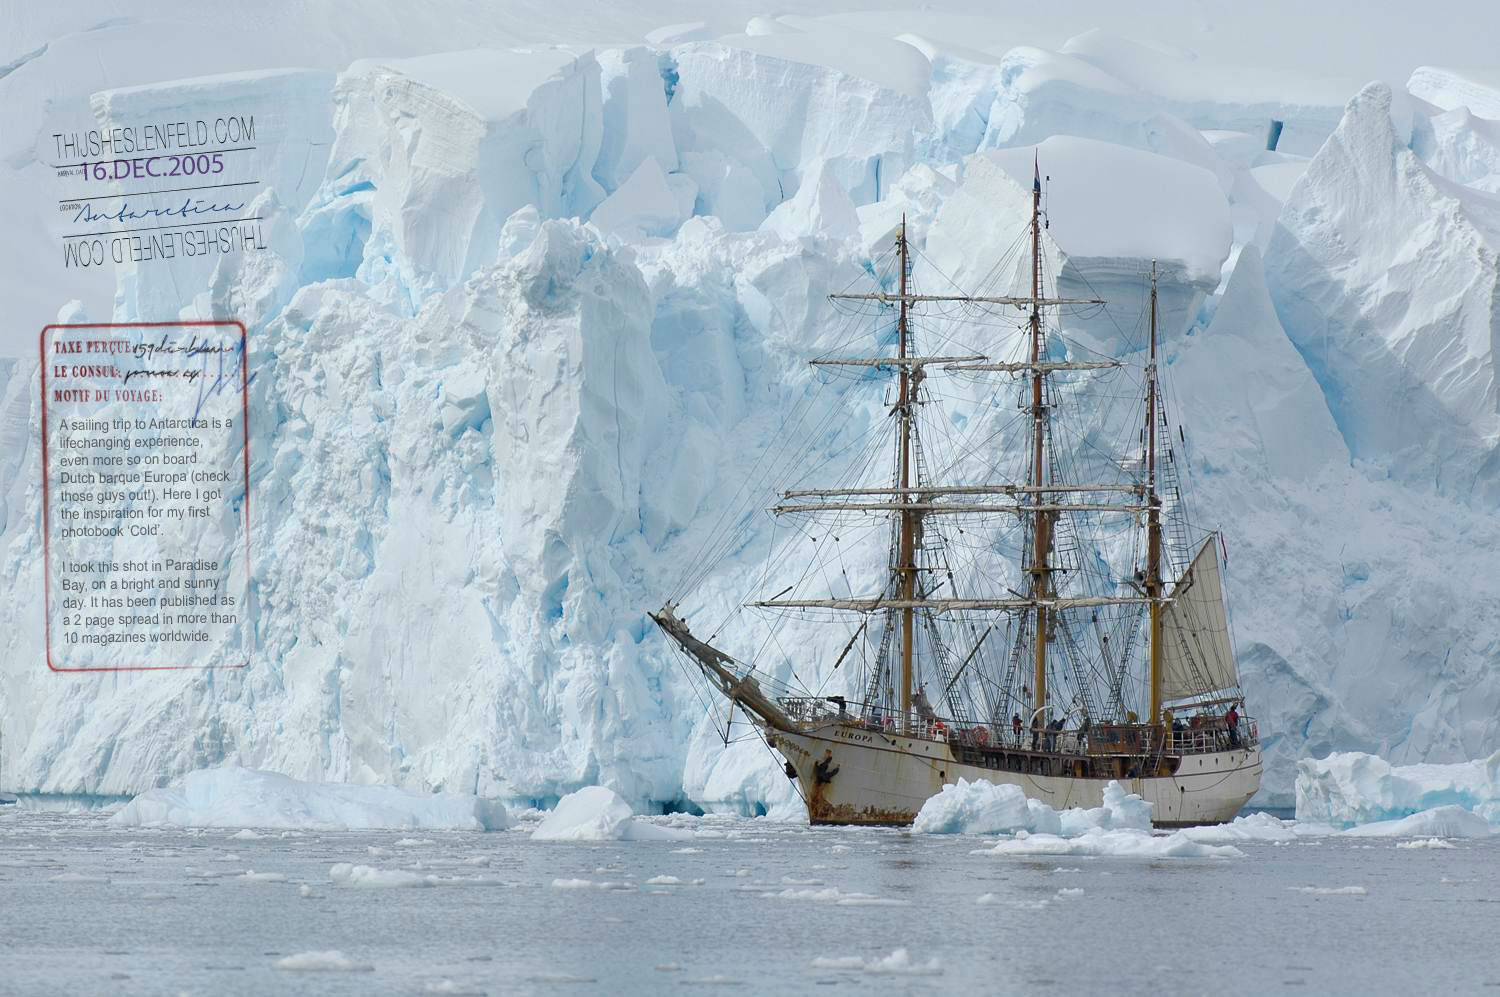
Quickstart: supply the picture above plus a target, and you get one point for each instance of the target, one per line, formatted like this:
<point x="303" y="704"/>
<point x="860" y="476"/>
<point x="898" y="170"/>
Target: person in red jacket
<point x="1232" y="719"/>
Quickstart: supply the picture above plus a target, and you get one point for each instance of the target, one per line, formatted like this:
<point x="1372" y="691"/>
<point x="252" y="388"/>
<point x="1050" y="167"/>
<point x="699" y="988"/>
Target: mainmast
<point x="1042" y="522"/>
<point x="906" y="552"/>
<point x="1153" y="517"/>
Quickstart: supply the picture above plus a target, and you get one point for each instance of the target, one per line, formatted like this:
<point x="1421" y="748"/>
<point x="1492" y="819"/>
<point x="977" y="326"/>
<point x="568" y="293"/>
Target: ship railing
<point x="934" y="729"/>
<point x="816" y="709"/>
<point x="810" y="709"/>
<point x="1212" y="737"/>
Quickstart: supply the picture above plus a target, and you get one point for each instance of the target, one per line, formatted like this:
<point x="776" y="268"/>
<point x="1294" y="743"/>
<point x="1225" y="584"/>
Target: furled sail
<point x="1196" y="654"/>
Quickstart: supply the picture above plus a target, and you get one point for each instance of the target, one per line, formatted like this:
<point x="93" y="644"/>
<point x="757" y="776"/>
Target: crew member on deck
<point x="1232" y="719"/>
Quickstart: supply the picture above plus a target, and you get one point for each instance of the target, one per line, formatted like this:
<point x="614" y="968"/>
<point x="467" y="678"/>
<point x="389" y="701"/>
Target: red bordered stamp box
<point x="145" y="495"/>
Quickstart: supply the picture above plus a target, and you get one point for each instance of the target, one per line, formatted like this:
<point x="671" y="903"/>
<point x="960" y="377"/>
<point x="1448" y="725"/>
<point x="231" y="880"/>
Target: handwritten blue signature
<point x="190" y="206"/>
<point x="226" y="376"/>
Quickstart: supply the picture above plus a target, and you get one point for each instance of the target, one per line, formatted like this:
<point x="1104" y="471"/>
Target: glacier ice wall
<point x="530" y="314"/>
<point x="1387" y="277"/>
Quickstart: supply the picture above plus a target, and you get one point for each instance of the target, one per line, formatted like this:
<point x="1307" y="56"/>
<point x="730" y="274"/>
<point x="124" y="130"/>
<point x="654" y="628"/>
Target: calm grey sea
<point x="87" y="909"/>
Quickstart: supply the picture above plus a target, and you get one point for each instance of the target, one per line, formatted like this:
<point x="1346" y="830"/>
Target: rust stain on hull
<point x="822" y="813"/>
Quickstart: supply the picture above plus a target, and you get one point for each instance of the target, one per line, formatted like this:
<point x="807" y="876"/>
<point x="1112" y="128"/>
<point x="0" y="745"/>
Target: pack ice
<point x="236" y="797"/>
<point x="532" y="311"/>
<point x="1121" y="827"/>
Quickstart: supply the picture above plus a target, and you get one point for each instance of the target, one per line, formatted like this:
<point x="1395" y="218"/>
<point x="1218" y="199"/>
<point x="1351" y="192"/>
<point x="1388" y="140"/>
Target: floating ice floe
<point x="981" y="807"/>
<point x="1126" y="843"/>
<point x="236" y="797"/>
<point x="368" y="877"/>
<point x="1350" y="788"/>
<point x="1251" y="827"/>
<point x="899" y="962"/>
<point x="833" y="895"/>
<point x="595" y="813"/>
<point x="328" y="961"/>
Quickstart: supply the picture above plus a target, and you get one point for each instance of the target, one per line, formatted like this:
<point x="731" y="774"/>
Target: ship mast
<point x="910" y="501"/>
<point x="1041" y="523"/>
<point x="906" y="553"/>
<point x="1153" y="517"/>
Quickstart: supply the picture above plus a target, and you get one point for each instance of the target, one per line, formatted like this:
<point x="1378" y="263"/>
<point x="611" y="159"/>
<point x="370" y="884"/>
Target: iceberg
<point x="770" y="104"/>
<point x="1461" y="147"/>
<point x="1122" y="810"/>
<point x="1451" y="821"/>
<point x="409" y="133"/>
<point x="1350" y="788"/>
<point x="236" y="797"/>
<point x="595" y="813"/>
<point x="1449" y="89"/>
<point x="285" y="117"/>
<point x="649" y="203"/>
<point x="1383" y="274"/>
<point x="820" y="207"/>
<point x="1114" y="210"/>
<point x="981" y="807"/>
<point x="636" y="125"/>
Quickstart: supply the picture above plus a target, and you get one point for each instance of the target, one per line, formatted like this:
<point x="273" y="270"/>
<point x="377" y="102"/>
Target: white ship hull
<point x="883" y="779"/>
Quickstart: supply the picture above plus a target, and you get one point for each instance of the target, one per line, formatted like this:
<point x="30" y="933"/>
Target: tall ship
<point x="1045" y="613"/>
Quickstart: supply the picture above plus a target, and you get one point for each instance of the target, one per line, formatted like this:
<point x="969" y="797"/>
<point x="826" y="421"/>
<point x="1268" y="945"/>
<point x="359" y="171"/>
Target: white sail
<point x="1196" y="654"/>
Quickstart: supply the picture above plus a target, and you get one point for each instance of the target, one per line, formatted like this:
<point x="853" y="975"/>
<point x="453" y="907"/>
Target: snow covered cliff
<point x="530" y="312"/>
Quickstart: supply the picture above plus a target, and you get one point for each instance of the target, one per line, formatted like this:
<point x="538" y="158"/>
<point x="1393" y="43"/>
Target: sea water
<point x="744" y="907"/>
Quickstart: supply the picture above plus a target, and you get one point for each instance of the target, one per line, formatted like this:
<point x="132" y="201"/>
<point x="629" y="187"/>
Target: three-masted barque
<point x="1096" y="665"/>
